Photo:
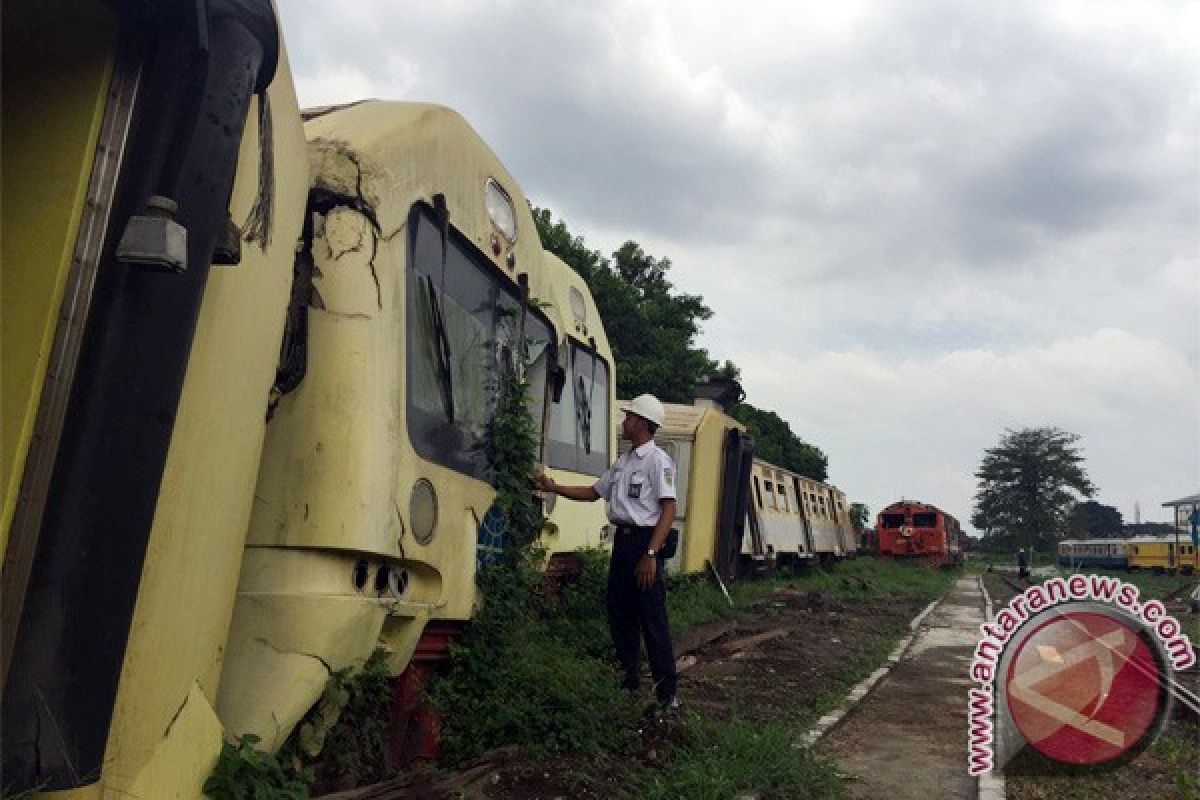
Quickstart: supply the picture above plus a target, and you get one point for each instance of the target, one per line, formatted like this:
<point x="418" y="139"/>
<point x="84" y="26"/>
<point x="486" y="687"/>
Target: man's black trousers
<point x="634" y="613"/>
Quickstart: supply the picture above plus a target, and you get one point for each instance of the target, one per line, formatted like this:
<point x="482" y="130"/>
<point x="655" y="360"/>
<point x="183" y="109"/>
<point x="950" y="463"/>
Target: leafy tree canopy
<point x="860" y="515"/>
<point x="775" y="442"/>
<point x="1028" y="484"/>
<point x="1092" y="520"/>
<point x="651" y="328"/>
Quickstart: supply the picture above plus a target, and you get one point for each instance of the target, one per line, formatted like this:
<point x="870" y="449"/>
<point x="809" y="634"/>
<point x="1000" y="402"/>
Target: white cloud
<point x="918" y="426"/>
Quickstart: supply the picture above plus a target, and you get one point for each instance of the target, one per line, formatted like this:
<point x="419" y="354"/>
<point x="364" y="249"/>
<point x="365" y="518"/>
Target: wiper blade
<point x="583" y="415"/>
<point x="441" y="349"/>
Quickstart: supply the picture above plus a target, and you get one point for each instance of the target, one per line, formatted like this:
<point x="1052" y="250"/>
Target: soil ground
<point x="908" y="737"/>
<point x="1167" y="770"/>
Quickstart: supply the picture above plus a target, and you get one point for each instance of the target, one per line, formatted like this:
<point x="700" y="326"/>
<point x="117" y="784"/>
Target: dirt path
<point x="907" y="739"/>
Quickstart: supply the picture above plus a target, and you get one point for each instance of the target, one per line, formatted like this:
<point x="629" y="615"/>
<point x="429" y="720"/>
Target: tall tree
<point x="860" y="515"/>
<point x="775" y="442"/>
<point x="1090" y="519"/>
<point x="652" y="329"/>
<point x="1028" y="484"/>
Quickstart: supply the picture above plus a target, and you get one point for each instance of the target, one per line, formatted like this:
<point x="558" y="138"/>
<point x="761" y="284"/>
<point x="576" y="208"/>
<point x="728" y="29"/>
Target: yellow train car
<point x="581" y="439"/>
<point x="232" y="462"/>
<point x="373" y="504"/>
<point x="1166" y="554"/>
<point x="712" y="455"/>
<point x="150" y="215"/>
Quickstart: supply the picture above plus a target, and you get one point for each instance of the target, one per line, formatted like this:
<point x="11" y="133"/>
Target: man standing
<point x="1022" y="564"/>
<point x="640" y="490"/>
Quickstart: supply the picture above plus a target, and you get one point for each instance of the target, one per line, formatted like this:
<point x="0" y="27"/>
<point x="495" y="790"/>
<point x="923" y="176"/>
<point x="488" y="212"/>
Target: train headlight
<point x="500" y="210"/>
<point x="423" y="511"/>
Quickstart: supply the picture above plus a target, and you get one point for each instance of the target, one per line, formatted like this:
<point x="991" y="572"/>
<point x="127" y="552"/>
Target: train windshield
<point x="463" y="326"/>
<point x="924" y="519"/>
<point x="579" y="432"/>
<point x="893" y="520"/>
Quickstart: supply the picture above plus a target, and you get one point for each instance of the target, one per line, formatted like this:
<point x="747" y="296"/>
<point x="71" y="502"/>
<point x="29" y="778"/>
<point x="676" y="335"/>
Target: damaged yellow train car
<point x="250" y="357"/>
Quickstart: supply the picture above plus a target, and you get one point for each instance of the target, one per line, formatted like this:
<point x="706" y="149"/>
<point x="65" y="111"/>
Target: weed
<point x="344" y="736"/>
<point x="244" y="772"/>
<point x="532" y="671"/>
<point x="720" y="760"/>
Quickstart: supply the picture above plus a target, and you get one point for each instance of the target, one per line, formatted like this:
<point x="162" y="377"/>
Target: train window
<point x="461" y="334"/>
<point x="757" y="492"/>
<point x="578" y="433"/>
<point x="893" y="521"/>
<point x="772" y="500"/>
<point x="924" y="519"/>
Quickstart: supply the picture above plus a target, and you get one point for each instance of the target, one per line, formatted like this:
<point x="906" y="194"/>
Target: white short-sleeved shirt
<point x="635" y="483"/>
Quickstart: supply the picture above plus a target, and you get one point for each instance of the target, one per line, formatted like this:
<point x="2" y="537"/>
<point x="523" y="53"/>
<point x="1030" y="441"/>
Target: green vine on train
<point x="512" y="450"/>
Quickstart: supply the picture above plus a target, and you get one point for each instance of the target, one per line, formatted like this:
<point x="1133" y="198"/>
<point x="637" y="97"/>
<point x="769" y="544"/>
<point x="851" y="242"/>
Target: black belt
<point x="623" y="527"/>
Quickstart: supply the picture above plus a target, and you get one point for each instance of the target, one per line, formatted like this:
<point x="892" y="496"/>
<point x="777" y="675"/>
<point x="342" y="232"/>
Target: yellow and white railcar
<point x="373" y="501"/>
<point x="779" y="529"/>
<point x="711" y="452"/>
<point x="140" y="343"/>
<point x="580" y="440"/>
<point x="821" y="513"/>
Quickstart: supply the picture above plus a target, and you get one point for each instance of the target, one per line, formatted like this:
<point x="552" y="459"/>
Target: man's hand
<point x="647" y="571"/>
<point x="543" y="482"/>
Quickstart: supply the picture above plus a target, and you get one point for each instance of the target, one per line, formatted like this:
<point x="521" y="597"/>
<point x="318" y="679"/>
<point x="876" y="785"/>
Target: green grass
<point x="695" y="599"/>
<point x="1182" y="754"/>
<point x="721" y="760"/>
<point x="539" y="674"/>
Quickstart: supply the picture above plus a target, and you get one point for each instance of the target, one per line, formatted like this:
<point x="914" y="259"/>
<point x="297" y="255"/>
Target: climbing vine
<point x="512" y="447"/>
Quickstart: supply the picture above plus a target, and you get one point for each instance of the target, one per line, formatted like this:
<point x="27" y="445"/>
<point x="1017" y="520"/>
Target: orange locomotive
<point x="919" y="531"/>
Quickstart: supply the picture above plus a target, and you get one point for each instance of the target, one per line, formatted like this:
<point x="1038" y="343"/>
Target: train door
<point x="802" y="509"/>
<point x="735" y="501"/>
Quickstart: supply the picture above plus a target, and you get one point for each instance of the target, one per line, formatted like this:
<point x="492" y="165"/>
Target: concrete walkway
<point x="908" y="737"/>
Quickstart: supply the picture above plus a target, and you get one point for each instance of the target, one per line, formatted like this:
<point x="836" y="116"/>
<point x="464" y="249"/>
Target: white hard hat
<point x="647" y="406"/>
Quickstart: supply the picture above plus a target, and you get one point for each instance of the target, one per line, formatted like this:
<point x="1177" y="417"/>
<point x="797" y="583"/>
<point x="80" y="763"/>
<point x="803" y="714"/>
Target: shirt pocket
<point x="637" y="485"/>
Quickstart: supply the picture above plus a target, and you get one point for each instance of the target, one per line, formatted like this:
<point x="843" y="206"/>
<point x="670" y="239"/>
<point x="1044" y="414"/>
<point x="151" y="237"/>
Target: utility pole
<point x="1137" y="513"/>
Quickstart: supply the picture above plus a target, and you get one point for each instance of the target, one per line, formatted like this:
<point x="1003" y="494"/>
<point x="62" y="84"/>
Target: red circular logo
<point x="1084" y="687"/>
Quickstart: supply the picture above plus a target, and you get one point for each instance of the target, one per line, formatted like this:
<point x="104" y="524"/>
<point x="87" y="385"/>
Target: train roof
<point x="681" y="420"/>
<point x="1182" y="538"/>
<point x="763" y="463"/>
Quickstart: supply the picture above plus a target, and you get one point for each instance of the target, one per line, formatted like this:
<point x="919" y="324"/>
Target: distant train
<point x="736" y="511"/>
<point x="919" y="531"/>
<point x="1163" y="554"/>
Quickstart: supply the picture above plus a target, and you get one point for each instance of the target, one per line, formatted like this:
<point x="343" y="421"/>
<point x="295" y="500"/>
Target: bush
<point x="531" y="671"/>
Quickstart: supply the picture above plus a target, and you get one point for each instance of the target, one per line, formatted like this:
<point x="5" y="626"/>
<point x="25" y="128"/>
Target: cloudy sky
<point x="918" y="223"/>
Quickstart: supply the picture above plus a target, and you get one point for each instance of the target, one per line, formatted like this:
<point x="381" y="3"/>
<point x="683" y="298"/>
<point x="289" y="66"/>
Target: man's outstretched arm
<point x="584" y="494"/>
